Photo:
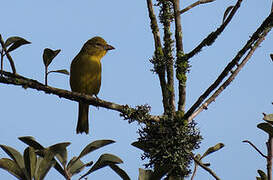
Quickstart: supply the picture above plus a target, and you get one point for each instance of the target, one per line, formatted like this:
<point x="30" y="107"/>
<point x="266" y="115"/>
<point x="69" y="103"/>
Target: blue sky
<point x="127" y="79"/>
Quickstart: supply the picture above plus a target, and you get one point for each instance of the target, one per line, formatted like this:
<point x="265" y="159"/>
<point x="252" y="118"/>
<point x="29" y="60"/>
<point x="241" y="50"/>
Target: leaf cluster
<point x="37" y="160"/>
<point x="167" y="143"/>
<point x="139" y="114"/>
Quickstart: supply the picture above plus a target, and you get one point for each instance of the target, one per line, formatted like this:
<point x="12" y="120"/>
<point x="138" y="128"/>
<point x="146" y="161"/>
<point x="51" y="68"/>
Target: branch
<point x="166" y="21"/>
<point x="251" y="144"/>
<point x="9" y="78"/>
<point x="269" y="144"/>
<point x="8" y="55"/>
<point x="255" y="39"/>
<point x="204" y="167"/>
<point x="212" y="36"/>
<point x="195" y="4"/>
<point x="181" y="64"/>
<point x="159" y="66"/>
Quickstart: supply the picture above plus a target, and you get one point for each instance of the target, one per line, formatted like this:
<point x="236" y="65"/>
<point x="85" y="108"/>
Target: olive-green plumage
<point x="85" y="75"/>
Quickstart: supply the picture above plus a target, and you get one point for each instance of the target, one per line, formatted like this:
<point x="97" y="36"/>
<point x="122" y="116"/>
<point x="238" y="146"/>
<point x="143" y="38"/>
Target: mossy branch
<point x="9" y="78"/>
<point x="210" y="39"/>
<point x="252" y="44"/>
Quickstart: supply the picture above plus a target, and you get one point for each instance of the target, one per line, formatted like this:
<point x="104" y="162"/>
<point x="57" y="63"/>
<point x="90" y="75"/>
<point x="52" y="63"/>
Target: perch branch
<point x="251" y="144"/>
<point x="195" y="4"/>
<point x="9" y="78"/>
<point x="204" y="167"/>
<point x="159" y="68"/>
<point x="213" y="36"/>
<point x="251" y="45"/>
<point x="8" y="55"/>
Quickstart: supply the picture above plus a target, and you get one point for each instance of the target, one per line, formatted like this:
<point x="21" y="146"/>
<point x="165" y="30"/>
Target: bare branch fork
<point x="252" y="44"/>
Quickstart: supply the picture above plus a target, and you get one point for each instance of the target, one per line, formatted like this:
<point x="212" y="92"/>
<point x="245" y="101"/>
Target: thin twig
<point x="2" y="60"/>
<point x="252" y="44"/>
<point x="210" y="39"/>
<point x="195" y="4"/>
<point x="160" y="70"/>
<point x="204" y="167"/>
<point x="181" y="65"/>
<point x="8" y="55"/>
<point x="9" y="78"/>
<point x="251" y="144"/>
<point x="194" y="171"/>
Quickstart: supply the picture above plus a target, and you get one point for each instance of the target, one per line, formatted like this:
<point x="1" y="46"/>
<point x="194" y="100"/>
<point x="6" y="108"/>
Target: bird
<point x="85" y="75"/>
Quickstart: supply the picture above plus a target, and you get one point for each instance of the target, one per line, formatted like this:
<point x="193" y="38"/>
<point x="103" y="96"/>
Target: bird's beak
<point x="109" y="47"/>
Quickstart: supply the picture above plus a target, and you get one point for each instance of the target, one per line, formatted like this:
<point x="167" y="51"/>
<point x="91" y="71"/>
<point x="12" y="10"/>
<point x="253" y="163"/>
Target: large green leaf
<point x="145" y="174"/>
<point x="49" y="55"/>
<point x="12" y="167"/>
<point x="33" y="143"/>
<point x="120" y="172"/>
<point x="30" y="161"/>
<point x="60" y="151"/>
<point x="16" y="42"/>
<point x="44" y="164"/>
<point x="29" y="140"/>
<point x="76" y="167"/>
<point x="266" y="127"/>
<point x="93" y="146"/>
<point x="104" y="160"/>
<point x="15" y="155"/>
<point x="213" y="149"/>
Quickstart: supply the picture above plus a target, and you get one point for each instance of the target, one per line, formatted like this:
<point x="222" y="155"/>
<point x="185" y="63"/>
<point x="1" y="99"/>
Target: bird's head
<point x="97" y="46"/>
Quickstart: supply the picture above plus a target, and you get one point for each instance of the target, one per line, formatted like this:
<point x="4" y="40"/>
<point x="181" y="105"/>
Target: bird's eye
<point x="98" y="44"/>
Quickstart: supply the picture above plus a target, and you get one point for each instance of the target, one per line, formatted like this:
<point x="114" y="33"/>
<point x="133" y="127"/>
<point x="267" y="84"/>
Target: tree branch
<point x="251" y="144"/>
<point x="9" y="78"/>
<point x="181" y="64"/>
<point x="195" y="4"/>
<point x="8" y="55"/>
<point x="269" y="157"/>
<point x="209" y="40"/>
<point x="159" y="56"/>
<point x="255" y="39"/>
<point x="204" y="167"/>
<point x="166" y="21"/>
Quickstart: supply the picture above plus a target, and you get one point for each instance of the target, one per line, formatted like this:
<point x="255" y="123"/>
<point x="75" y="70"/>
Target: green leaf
<point x="76" y="167"/>
<point x="12" y="167"/>
<point x="266" y="127"/>
<point x="16" y="42"/>
<point x="213" y="149"/>
<point x="145" y="174"/>
<point x="29" y="140"/>
<point x="120" y="172"/>
<point x="104" y="160"/>
<point x="44" y="165"/>
<point x="227" y="11"/>
<point x="15" y="155"/>
<point x="30" y="161"/>
<point x="139" y="145"/>
<point x="60" y="151"/>
<point x="93" y="146"/>
<point x="62" y="71"/>
<point x="49" y="55"/>
<point x="268" y="118"/>
<point x="262" y="174"/>
<point x="33" y="143"/>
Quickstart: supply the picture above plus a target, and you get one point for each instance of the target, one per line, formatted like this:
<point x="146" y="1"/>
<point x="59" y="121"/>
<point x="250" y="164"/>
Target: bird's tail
<point x="82" y="125"/>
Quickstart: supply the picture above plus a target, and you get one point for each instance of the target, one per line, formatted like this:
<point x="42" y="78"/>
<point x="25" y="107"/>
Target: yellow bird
<point x="85" y="75"/>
